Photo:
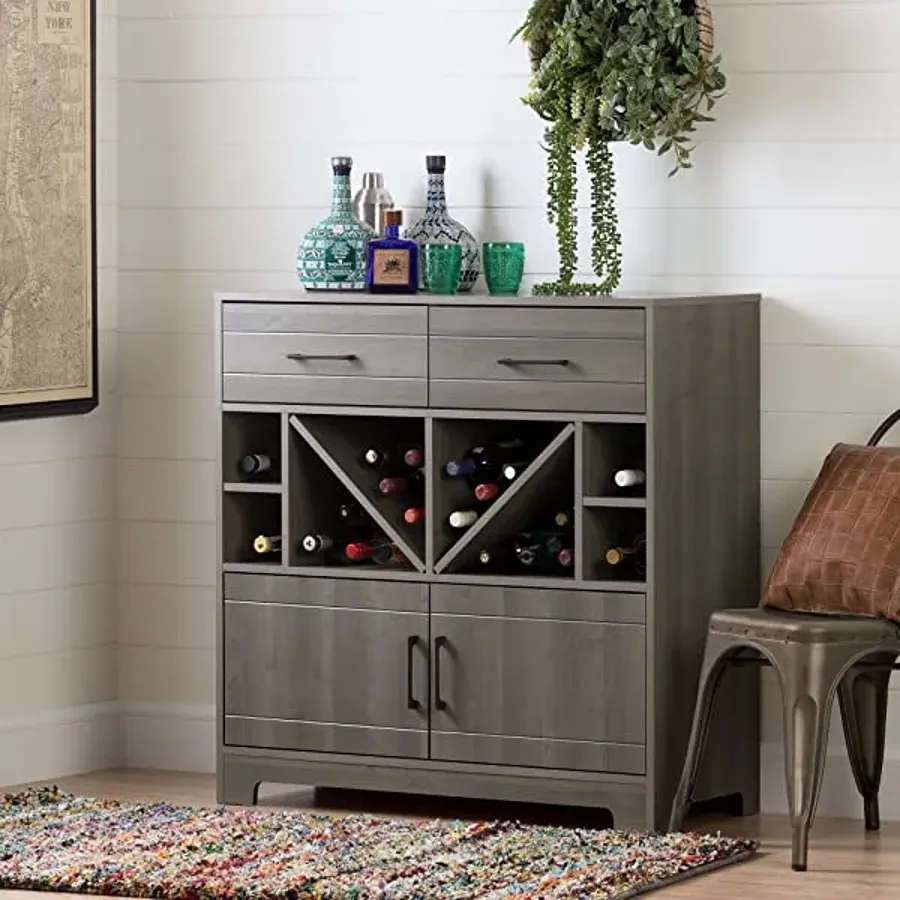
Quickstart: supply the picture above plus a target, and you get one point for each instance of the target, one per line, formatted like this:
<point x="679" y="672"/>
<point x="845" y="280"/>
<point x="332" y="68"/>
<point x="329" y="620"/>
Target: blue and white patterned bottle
<point x="332" y="255"/>
<point x="438" y="227"/>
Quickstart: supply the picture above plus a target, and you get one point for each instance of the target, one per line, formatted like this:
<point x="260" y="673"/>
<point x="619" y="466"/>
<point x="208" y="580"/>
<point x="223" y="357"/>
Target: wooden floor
<point x="845" y="862"/>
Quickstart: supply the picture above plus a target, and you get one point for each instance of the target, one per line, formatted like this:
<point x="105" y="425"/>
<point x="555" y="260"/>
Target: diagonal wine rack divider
<point x="359" y="495"/>
<point x="516" y="501"/>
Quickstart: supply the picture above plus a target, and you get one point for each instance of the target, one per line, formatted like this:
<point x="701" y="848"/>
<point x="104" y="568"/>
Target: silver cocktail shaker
<point x="372" y="201"/>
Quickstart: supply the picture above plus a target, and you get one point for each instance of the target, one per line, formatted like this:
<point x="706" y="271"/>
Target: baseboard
<point x="839" y="798"/>
<point x="56" y="743"/>
<point x="171" y="736"/>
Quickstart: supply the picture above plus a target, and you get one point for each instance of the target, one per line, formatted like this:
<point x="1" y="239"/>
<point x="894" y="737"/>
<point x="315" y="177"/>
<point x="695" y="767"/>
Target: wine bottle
<point x="463" y="518"/>
<point x="539" y="549"/>
<point x="265" y="544"/>
<point x="485" y="461"/>
<point x="390" y="556"/>
<point x="513" y="470"/>
<point x="317" y="543"/>
<point x="414" y="515"/>
<point x="353" y="515"/>
<point x="499" y="557"/>
<point x="566" y="558"/>
<point x="629" y="478"/>
<point x="382" y="459"/>
<point x="565" y="519"/>
<point x="486" y="492"/>
<point x="632" y="555"/>
<point x="254" y="464"/>
<point x="360" y="551"/>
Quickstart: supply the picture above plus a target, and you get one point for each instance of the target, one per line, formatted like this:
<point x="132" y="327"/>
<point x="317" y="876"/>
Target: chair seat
<point x="803" y="628"/>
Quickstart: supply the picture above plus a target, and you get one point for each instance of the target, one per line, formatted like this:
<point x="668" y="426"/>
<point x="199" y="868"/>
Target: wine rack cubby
<point x="247" y="434"/>
<point x="540" y="646"/>
<point x="246" y="517"/>
<point x="611" y="448"/>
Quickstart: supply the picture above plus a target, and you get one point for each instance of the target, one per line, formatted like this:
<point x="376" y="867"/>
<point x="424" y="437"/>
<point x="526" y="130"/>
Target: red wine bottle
<point x="414" y="515"/>
<point x="360" y="551"/>
<point x="485" y="462"/>
<point x="486" y="492"/>
<point x="402" y="485"/>
<point x="566" y="558"/>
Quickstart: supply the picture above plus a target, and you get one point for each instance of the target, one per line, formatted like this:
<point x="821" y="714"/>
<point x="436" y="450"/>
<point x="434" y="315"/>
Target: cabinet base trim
<point x="240" y="774"/>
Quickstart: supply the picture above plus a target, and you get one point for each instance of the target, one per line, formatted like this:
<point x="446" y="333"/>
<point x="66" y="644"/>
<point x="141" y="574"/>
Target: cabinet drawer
<point x="277" y="367"/>
<point x="545" y="322"/>
<point x="540" y="373"/>
<point x="537" y="359"/>
<point x="324" y="318"/>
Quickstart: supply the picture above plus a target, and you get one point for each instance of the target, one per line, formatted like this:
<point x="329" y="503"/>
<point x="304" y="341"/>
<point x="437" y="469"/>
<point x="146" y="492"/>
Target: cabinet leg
<point x="236" y="784"/>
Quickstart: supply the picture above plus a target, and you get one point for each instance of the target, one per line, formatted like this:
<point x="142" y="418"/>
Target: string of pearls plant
<point x="640" y="71"/>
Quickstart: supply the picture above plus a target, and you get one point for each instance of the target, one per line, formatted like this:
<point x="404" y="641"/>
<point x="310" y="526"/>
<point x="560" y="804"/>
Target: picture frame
<point x="48" y="270"/>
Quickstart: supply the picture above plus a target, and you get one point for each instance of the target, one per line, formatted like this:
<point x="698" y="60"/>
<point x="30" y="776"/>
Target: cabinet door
<point x="323" y="679"/>
<point x="538" y="692"/>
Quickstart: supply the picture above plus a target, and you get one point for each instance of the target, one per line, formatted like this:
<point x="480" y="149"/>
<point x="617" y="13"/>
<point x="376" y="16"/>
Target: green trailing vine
<point x="605" y="71"/>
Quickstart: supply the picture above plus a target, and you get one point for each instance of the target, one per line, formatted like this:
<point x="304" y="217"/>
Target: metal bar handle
<point x="512" y="363"/>
<point x="439" y="703"/>
<point x="337" y="357"/>
<point x="411" y="644"/>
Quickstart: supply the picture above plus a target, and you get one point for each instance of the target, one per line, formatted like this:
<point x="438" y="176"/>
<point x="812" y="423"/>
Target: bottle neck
<point x="392" y="231"/>
<point x="437" y="199"/>
<point x="341" y="199"/>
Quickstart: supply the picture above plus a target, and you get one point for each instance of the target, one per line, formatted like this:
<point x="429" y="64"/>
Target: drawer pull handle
<point x="513" y="363"/>
<point x="411" y="643"/>
<point x="440" y="703"/>
<point x="336" y="357"/>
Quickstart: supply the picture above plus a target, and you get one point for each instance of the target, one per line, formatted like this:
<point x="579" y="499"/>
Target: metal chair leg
<point x="714" y="662"/>
<point x="808" y="674"/>
<point x="863" y="698"/>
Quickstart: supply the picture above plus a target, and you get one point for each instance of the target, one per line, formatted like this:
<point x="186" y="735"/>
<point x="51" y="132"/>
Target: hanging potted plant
<point x="640" y="71"/>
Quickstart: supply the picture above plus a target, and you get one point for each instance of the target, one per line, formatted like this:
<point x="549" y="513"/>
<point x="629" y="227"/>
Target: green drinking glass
<point x="504" y="265"/>
<point x="442" y="268"/>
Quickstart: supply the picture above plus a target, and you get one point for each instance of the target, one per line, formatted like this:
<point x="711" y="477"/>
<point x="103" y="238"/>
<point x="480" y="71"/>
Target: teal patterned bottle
<point x="332" y="255"/>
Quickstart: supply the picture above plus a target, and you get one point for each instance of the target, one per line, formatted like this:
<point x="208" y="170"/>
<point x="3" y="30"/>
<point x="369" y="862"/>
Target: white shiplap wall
<point x="59" y="709"/>
<point x="230" y="110"/>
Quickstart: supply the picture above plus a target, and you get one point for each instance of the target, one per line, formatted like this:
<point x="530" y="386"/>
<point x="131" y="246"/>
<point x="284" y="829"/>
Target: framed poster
<point x="48" y="246"/>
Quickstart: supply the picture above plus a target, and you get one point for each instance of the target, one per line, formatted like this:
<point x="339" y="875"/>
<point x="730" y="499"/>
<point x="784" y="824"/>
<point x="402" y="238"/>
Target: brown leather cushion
<point x="843" y="554"/>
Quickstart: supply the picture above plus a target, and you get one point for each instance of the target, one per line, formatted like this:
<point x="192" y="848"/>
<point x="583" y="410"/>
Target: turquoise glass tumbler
<point x="504" y="266"/>
<point x="442" y="268"/>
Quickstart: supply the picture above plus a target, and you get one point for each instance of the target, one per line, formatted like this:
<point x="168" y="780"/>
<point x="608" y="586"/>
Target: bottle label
<point x="340" y="259"/>
<point x="390" y="267"/>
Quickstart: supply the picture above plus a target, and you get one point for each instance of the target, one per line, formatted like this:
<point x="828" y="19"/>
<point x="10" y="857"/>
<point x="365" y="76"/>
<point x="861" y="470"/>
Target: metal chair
<point x="814" y="657"/>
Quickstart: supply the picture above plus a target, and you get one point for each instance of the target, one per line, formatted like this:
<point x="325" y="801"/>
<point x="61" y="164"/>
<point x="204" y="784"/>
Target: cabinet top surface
<point x="636" y="300"/>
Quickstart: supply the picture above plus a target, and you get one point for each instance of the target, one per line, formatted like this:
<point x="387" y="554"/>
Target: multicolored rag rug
<point x="55" y="841"/>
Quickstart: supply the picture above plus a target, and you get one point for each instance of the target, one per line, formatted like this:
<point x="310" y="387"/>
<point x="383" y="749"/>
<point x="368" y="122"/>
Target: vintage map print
<point x="47" y="241"/>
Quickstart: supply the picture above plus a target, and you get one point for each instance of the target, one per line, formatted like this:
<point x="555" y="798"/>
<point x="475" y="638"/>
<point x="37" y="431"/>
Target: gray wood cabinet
<point x="573" y="685"/>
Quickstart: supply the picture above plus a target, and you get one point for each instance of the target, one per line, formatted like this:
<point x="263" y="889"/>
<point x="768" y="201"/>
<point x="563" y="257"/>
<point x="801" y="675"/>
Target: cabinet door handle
<point x="439" y="643"/>
<point x="513" y="363"/>
<point x="334" y="357"/>
<point x="411" y="644"/>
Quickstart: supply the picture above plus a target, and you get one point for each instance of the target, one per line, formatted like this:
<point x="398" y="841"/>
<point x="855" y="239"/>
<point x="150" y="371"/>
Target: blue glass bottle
<point x="393" y="262"/>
